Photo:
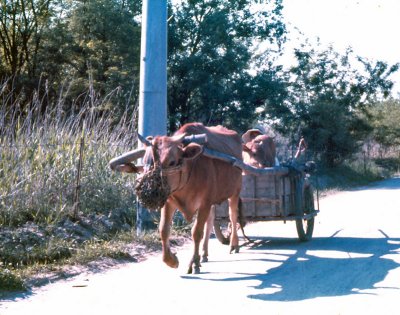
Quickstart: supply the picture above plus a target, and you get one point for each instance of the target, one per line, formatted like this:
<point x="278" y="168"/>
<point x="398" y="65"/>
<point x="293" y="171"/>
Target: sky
<point x="370" y="27"/>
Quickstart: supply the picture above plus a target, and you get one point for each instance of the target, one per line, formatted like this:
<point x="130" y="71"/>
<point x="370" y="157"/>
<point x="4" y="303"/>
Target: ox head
<point x="169" y="152"/>
<point x="260" y="148"/>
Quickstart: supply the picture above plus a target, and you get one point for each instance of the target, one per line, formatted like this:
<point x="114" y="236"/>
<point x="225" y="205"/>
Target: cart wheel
<point x="222" y="232"/>
<point x="305" y="228"/>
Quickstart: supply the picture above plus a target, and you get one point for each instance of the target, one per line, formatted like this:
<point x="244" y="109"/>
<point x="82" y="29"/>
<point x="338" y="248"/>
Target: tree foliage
<point x="211" y="52"/>
<point x="328" y="96"/>
<point x="75" y="46"/>
<point x="21" y="22"/>
<point x="107" y="45"/>
<point x="385" y="118"/>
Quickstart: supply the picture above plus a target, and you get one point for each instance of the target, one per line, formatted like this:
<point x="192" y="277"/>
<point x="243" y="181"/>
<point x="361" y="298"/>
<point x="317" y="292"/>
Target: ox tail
<point x="242" y="221"/>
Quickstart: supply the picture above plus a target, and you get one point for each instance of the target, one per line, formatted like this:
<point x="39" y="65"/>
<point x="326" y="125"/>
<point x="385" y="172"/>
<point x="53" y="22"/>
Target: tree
<point x="212" y="51"/>
<point x="22" y="27"/>
<point x="328" y="96"/>
<point x="385" y="118"/>
<point x="49" y="46"/>
<point x="21" y="24"/>
<point x="106" y="47"/>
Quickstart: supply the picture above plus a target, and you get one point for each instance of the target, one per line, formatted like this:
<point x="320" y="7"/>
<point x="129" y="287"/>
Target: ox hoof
<point x="204" y="259"/>
<point x="175" y="265"/>
<point x="194" y="266"/>
<point x="172" y="261"/>
<point x="234" y="249"/>
<point x="195" y="270"/>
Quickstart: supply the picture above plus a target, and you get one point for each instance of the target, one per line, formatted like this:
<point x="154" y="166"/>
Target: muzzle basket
<point x="152" y="189"/>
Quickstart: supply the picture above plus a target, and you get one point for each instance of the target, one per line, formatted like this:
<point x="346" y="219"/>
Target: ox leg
<point x="197" y="235"/>
<point x="167" y="213"/>
<point x="233" y="217"/>
<point x="207" y="233"/>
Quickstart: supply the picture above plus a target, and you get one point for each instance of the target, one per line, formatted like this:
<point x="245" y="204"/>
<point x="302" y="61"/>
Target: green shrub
<point x="349" y="174"/>
<point x="9" y="281"/>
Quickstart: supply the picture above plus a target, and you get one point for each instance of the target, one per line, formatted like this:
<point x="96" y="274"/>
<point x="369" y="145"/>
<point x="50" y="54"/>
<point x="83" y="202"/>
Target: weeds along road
<point x="352" y="266"/>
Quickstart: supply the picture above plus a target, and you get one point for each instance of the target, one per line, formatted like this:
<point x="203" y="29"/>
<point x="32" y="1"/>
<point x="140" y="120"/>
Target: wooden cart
<point x="275" y="194"/>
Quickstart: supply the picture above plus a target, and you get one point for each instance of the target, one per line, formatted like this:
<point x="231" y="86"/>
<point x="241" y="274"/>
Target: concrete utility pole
<point x="153" y="83"/>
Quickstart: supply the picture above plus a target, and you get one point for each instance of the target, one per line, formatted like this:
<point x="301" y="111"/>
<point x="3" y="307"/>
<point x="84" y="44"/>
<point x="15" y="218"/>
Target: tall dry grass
<point x="39" y="154"/>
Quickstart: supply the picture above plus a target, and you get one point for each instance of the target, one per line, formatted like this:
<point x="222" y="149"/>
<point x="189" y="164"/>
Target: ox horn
<point x="199" y="139"/>
<point x="144" y="140"/>
<point x="126" y="158"/>
<point x="178" y="138"/>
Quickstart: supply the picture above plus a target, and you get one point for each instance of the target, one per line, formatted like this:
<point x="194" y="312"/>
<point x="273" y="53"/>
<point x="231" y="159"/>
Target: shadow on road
<point x="331" y="266"/>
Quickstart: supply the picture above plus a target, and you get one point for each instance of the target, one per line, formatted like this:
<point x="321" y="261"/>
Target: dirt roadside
<point x="352" y="266"/>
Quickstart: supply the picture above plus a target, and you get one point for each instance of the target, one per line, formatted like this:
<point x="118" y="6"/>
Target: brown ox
<point x="258" y="149"/>
<point x="196" y="181"/>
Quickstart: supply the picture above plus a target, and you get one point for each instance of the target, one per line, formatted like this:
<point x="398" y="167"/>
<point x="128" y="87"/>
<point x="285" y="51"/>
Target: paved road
<point x="352" y="266"/>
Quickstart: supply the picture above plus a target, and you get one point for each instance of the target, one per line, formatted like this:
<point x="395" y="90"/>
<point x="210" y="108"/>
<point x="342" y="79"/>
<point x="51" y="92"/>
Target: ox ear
<point x="192" y="151"/>
<point x="249" y="135"/>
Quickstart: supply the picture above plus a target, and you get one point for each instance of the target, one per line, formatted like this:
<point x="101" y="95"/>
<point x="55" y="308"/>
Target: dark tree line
<point x="222" y="68"/>
<point x="52" y="46"/>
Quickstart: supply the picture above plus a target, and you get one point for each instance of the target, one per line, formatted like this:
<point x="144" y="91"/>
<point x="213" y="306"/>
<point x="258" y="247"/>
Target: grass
<point x="39" y="155"/>
<point x="350" y="174"/>
<point x="39" y="158"/>
<point x="9" y="281"/>
<point x="39" y="165"/>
